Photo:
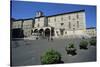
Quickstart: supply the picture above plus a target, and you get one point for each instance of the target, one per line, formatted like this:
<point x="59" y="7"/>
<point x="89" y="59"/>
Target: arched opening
<point x="17" y="33"/>
<point x="36" y="31"/>
<point x="32" y="31"/>
<point x="41" y="31"/>
<point x="47" y="32"/>
<point x="52" y="31"/>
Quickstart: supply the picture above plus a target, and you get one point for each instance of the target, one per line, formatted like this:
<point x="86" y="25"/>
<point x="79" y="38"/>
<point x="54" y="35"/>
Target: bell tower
<point x="39" y="13"/>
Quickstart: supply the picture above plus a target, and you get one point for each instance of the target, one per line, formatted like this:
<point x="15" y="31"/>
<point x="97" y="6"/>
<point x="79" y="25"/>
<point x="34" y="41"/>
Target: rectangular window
<point x="38" y="25"/>
<point x="48" y="20"/>
<point x="73" y="30"/>
<point x="38" y="19"/>
<point x="69" y="25"/>
<point x="77" y="16"/>
<point x="65" y="32"/>
<point x="61" y="18"/>
<point x="77" y="24"/>
<point x="62" y="24"/>
<point x="69" y="17"/>
<point x="55" y="19"/>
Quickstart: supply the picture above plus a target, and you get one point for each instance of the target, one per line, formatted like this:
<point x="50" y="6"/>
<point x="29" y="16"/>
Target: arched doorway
<point x="41" y="31"/>
<point x="36" y="31"/>
<point x="52" y="32"/>
<point x="32" y="31"/>
<point x="17" y="33"/>
<point x="47" y="32"/>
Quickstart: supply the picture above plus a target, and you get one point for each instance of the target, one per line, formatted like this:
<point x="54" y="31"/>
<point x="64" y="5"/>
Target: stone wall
<point x="27" y="27"/>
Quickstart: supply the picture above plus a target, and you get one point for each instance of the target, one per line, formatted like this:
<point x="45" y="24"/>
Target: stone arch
<point x="47" y="32"/>
<point x="36" y="31"/>
<point x="41" y="31"/>
<point x="32" y="32"/>
<point x="52" y="31"/>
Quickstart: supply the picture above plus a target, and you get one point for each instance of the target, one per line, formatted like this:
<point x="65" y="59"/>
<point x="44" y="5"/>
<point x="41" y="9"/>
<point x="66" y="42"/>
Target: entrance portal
<point x="47" y="32"/>
<point x="17" y="33"/>
<point x="52" y="32"/>
<point x="36" y="31"/>
<point x="41" y="32"/>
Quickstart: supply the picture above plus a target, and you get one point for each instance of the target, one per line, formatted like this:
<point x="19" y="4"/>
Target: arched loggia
<point x="36" y="31"/>
<point x="52" y="31"/>
<point x="47" y="32"/>
<point x="41" y="31"/>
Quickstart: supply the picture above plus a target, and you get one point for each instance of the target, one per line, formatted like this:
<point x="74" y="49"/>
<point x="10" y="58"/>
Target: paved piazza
<point x="28" y="52"/>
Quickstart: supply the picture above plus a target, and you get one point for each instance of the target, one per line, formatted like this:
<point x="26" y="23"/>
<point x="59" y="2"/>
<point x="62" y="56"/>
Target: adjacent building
<point x="21" y="27"/>
<point x="91" y="31"/>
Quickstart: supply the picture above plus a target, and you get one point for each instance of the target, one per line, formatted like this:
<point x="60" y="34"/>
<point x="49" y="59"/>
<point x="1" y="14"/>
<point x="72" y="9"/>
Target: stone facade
<point x="24" y="25"/>
<point x="27" y="27"/>
<point x="65" y="24"/>
<point x="17" y="24"/>
<point x="60" y="25"/>
<point x="91" y="31"/>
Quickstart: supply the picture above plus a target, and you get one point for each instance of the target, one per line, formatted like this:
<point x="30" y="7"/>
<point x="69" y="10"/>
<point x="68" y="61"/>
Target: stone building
<point x="16" y="28"/>
<point x="91" y="31"/>
<point x="22" y="27"/>
<point x="61" y="25"/>
<point x="71" y="24"/>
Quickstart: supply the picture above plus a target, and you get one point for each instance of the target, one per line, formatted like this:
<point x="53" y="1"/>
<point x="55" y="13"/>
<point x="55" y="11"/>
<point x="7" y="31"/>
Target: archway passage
<point x="36" y="31"/>
<point x="41" y="31"/>
<point x="47" y="32"/>
<point x="17" y="33"/>
<point x="52" y="31"/>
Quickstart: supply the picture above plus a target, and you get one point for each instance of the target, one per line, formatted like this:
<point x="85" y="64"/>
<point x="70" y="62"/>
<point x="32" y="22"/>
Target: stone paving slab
<point x="28" y="52"/>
